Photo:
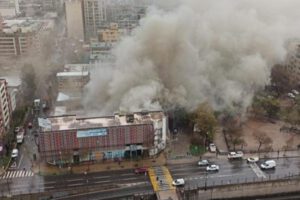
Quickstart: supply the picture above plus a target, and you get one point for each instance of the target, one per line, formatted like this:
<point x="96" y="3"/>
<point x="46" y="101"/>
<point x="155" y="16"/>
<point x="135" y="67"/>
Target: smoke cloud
<point x="199" y="50"/>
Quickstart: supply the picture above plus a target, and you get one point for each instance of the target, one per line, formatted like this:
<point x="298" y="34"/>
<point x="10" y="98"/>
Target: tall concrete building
<point x="18" y="37"/>
<point x="94" y="16"/>
<point x="9" y="8"/>
<point x="74" y="19"/>
<point x="5" y="107"/>
<point x="292" y="65"/>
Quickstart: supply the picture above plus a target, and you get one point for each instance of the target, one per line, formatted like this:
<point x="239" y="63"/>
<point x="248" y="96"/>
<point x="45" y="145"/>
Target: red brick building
<point x="68" y="139"/>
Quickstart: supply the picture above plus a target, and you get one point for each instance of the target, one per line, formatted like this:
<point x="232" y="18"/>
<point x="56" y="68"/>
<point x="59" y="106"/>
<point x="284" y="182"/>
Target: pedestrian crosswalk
<point x="257" y="170"/>
<point x="16" y="174"/>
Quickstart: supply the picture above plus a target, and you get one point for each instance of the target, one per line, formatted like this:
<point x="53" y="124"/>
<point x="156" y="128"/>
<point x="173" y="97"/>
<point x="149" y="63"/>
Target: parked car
<point x="235" y="155"/>
<point x="212" y="147"/>
<point x="291" y="95"/>
<point x="30" y="125"/>
<point x="212" y="168"/>
<point x="141" y="170"/>
<point x="17" y="129"/>
<point x="14" y="153"/>
<point x="269" y="164"/>
<point x="203" y="163"/>
<point x="253" y="159"/>
<point x="295" y="92"/>
<point x="178" y="182"/>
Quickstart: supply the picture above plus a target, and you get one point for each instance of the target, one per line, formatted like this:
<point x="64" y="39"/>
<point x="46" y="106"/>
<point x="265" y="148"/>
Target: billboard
<point x="92" y="132"/>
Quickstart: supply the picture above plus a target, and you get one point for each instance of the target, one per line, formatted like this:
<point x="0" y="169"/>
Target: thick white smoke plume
<point x="219" y="51"/>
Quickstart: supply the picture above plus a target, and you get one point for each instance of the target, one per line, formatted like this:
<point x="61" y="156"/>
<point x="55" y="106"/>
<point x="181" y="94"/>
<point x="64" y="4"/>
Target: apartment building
<point x="17" y="37"/>
<point x="94" y="16"/>
<point x="292" y="64"/>
<point x="5" y="108"/>
<point x="9" y="8"/>
<point x="74" y="19"/>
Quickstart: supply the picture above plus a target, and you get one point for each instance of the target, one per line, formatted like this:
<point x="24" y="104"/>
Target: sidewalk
<point x="46" y="169"/>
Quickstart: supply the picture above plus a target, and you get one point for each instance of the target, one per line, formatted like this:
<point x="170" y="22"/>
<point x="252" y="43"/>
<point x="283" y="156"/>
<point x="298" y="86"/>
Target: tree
<point x="262" y="139"/>
<point x="205" y="120"/>
<point x="267" y="106"/>
<point x="28" y="86"/>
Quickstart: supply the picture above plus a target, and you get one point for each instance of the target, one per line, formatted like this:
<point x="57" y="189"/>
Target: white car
<point x="291" y="95"/>
<point x="295" y="92"/>
<point x="269" y="164"/>
<point x="253" y="159"/>
<point x="212" y="147"/>
<point x="203" y="163"/>
<point x="14" y="153"/>
<point x="178" y="182"/>
<point x="212" y="168"/>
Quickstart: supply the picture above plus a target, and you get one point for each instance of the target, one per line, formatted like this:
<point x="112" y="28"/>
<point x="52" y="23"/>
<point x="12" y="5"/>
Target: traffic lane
<point x="95" y="178"/>
<point x="225" y="168"/>
<point x="284" y="167"/>
<point x="112" y="194"/>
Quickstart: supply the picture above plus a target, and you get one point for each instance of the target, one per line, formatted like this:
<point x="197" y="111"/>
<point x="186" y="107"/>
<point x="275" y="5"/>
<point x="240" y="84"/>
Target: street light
<point x="60" y="163"/>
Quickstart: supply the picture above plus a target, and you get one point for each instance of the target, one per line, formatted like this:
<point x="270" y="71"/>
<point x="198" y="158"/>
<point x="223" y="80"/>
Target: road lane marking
<point x="100" y="177"/>
<point x="126" y="174"/>
<point x="49" y="187"/>
<point x="77" y="184"/>
<point x="257" y="170"/>
<point x="102" y="181"/>
<point x="80" y="179"/>
<point x="129" y="178"/>
<point x="20" y="161"/>
<point x="48" y="182"/>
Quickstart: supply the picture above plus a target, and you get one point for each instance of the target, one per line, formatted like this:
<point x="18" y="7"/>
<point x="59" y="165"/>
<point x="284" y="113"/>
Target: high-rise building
<point x="74" y="19"/>
<point x="9" y="8"/>
<point x="94" y="16"/>
<point x="292" y="65"/>
<point x="19" y="36"/>
<point x="5" y="107"/>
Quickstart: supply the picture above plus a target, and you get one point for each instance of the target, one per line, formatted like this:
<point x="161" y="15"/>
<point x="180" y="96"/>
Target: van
<point x="212" y="147"/>
<point x="269" y="164"/>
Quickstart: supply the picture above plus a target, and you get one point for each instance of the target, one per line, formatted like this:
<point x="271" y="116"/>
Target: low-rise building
<point x="72" y="81"/>
<point x="68" y="139"/>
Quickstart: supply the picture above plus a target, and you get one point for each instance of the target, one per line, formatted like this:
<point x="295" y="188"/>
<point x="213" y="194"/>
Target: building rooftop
<point x="73" y="73"/>
<point x="71" y="122"/>
<point x="78" y="67"/>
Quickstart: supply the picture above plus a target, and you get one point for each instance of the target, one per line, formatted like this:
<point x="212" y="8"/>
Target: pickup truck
<point x="235" y="155"/>
<point x="20" y="136"/>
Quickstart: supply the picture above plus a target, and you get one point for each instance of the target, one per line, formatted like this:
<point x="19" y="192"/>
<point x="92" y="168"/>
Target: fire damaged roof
<point x="71" y="122"/>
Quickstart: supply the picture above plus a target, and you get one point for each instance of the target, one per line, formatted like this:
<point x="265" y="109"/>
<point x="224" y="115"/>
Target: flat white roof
<point x="71" y="122"/>
<point x="83" y="73"/>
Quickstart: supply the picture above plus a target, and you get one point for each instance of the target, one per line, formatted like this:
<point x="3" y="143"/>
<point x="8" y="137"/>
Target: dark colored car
<point x="30" y="125"/>
<point x="141" y="170"/>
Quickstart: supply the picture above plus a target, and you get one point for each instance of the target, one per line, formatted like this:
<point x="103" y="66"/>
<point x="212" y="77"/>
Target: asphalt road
<point x="238" y="171"/>
<point x="125" y="182"/>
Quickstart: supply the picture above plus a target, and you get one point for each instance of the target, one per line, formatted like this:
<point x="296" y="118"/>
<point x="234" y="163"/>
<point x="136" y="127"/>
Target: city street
<point x="238" y="171"/>
<point x="126" y="182"/>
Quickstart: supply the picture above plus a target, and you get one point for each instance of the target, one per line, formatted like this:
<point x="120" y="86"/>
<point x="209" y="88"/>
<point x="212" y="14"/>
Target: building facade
<point x="19" y="36"/>
<point x="9" y="8"/>
<point x="72" y="80"/>
<point x="5" y="108"/>
<point x="74" y="19"/>
<point x="292" y="65"/>
<point x="67" y="139"/>
<point x="94" y="16"/>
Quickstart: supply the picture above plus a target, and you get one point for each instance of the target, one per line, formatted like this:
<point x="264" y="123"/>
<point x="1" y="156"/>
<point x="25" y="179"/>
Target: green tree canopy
<point x="205" y="120"/>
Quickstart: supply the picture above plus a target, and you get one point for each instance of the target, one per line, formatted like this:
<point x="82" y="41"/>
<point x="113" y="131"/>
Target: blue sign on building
<point x="92" y="133"/>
